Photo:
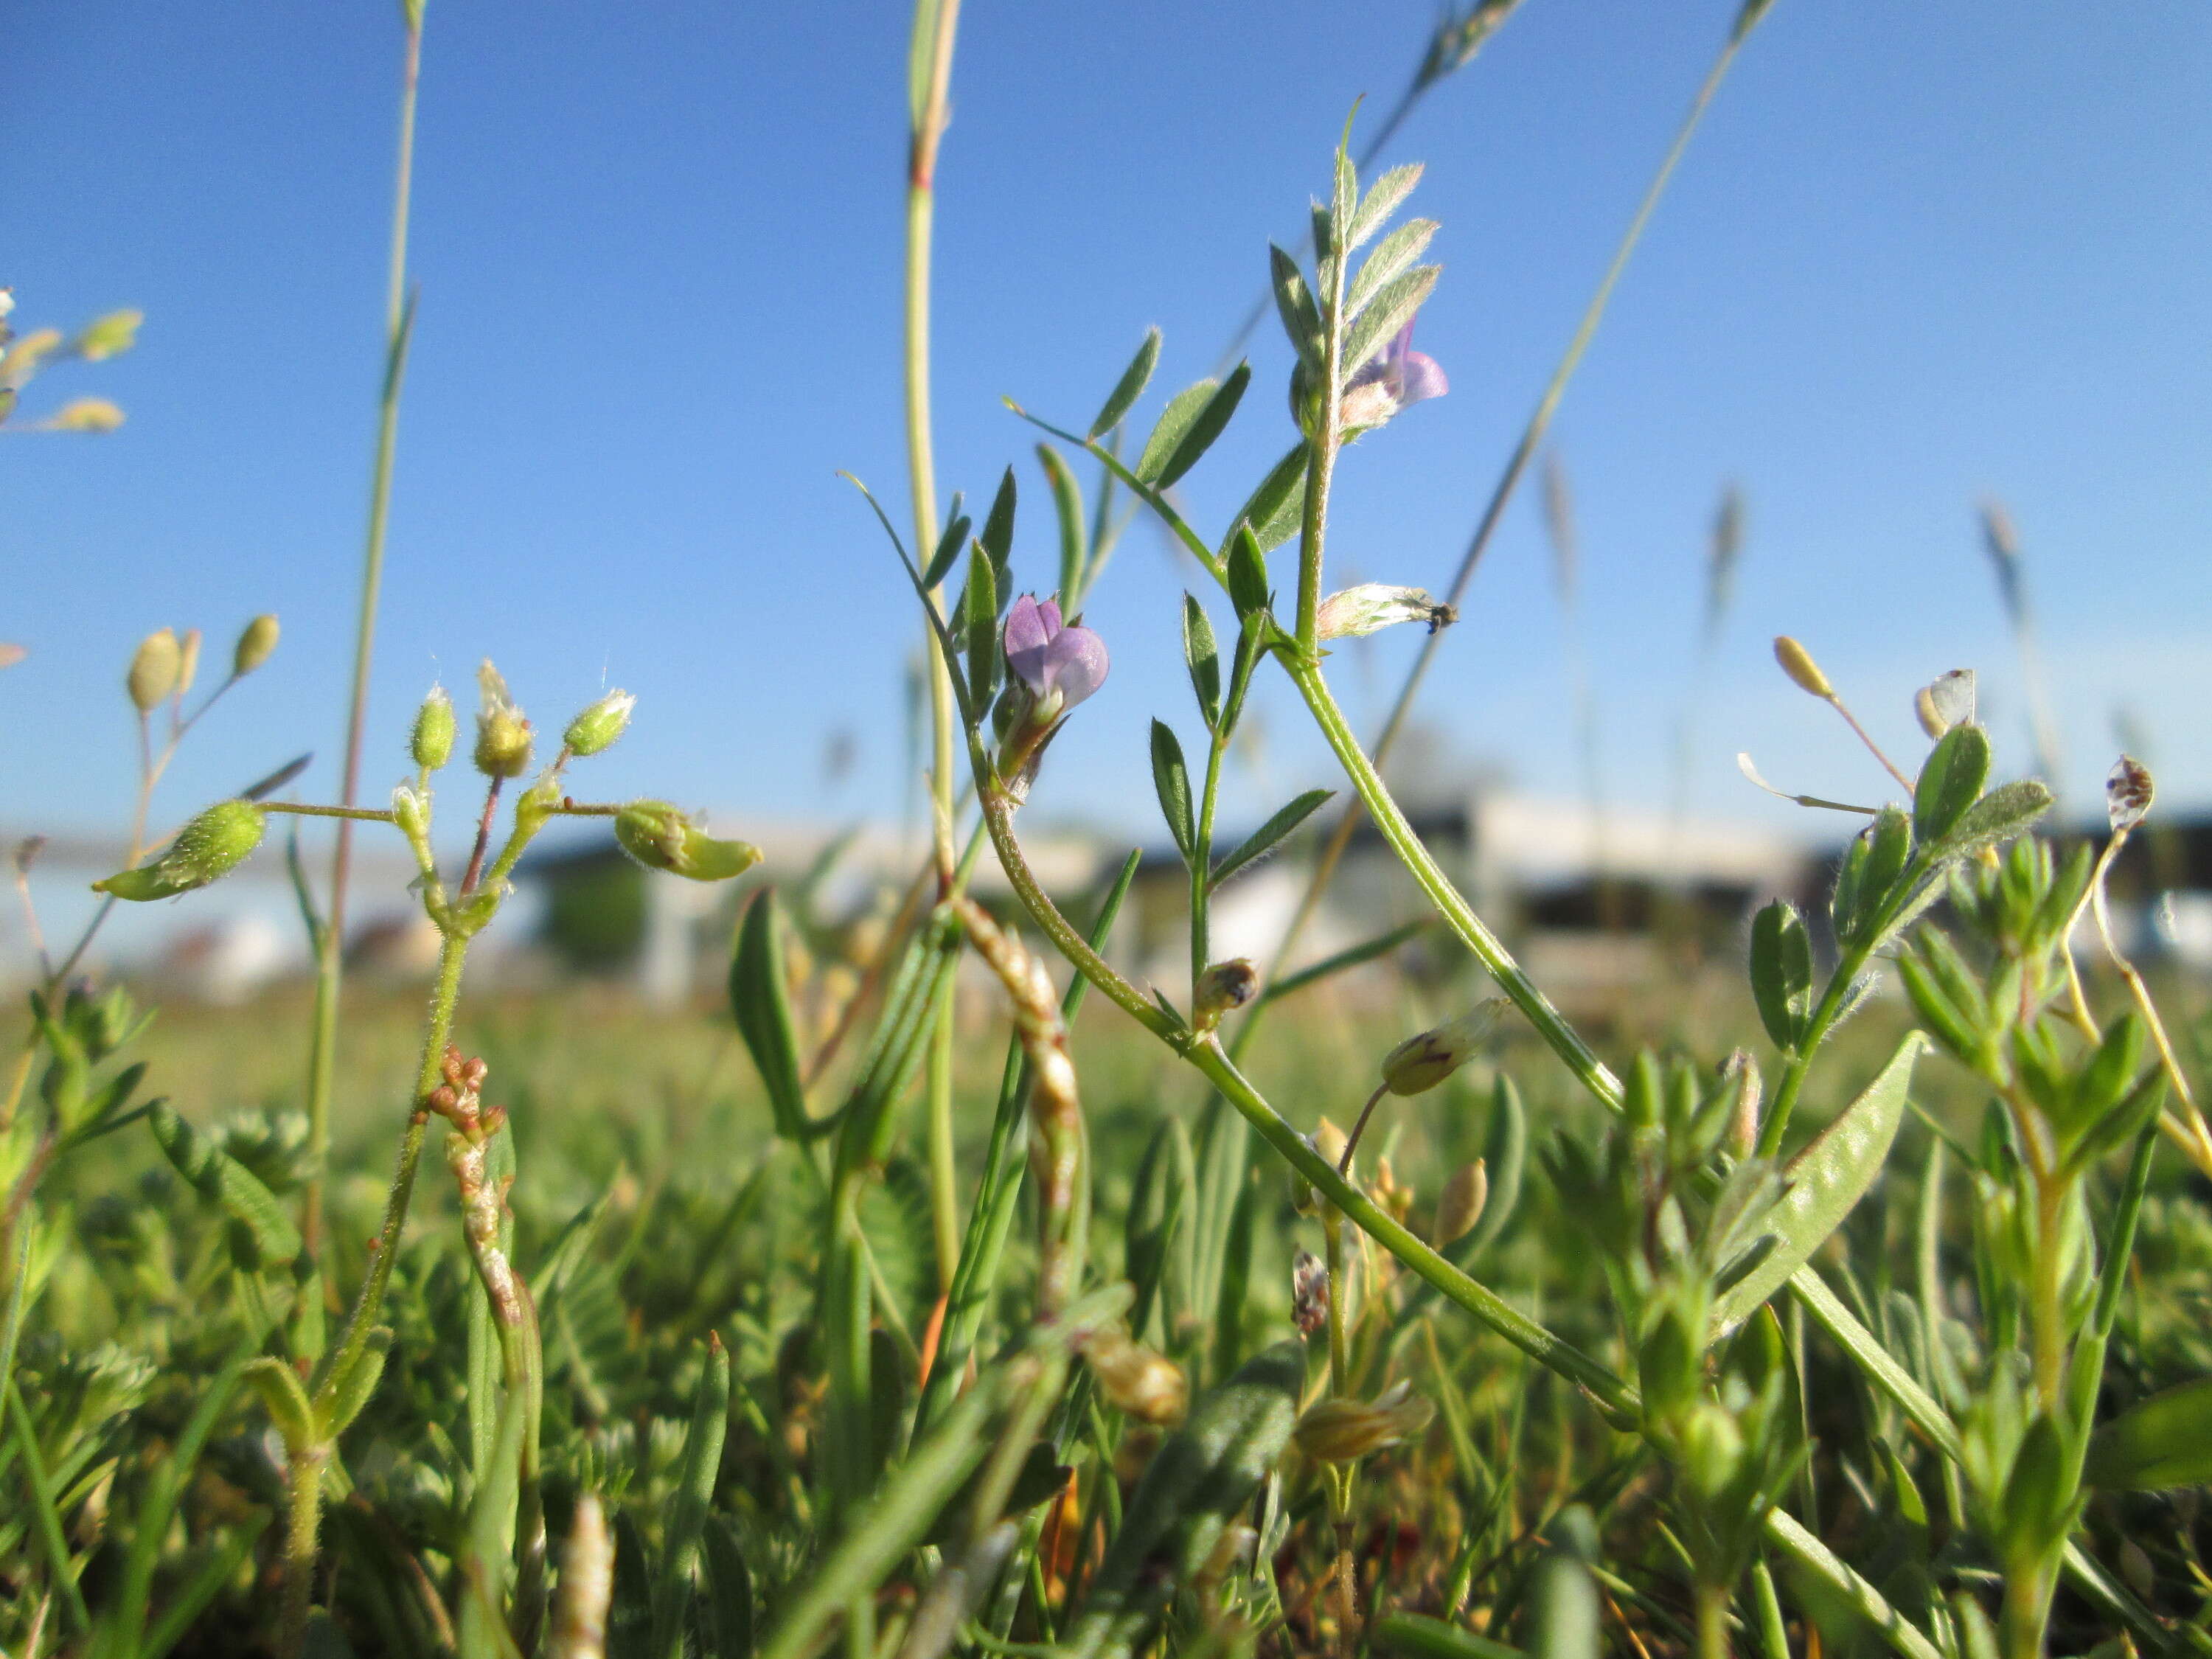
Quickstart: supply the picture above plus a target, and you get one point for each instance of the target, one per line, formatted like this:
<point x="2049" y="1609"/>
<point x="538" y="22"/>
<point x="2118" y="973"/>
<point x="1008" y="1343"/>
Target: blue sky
<point x="1917" y="254"/>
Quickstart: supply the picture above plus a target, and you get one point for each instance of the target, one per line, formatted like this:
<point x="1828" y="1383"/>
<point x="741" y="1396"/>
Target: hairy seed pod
<point x="601" y="725"/>
<point x="432" y="744"/>
<point x="661" y="837"/>
<point x="255" y="643"/>
<point x="1224" y="987"/>
<point x="212" y="846"/>
<point x="1797" y="663"/>
<point x="154" y="668"/>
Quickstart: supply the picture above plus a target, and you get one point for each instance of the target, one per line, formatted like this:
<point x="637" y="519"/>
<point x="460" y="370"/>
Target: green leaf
<point x="1172" y="779"/>
<point x="729" y="1592"/>
<point x="1294" y="304"/>
<point x="1950" y="780"/>
<point x="1202" y="655"/>
<point x="345" y="1391"/>
<point x="1385" y="197"/>
<point x="1074" y="538"/>
<point x="1272" y="512"/>
<point x="285" y="1399"/>
<point x="1352" y="956"/>
<point x="1386" y="313"/>
<point x="760" y="999"/>
<point x="948" y="546"/>
<point x="695" y="1494"/>
<point x="2158" y="1442"/>
<point x="1248" y="574"/>
<point x="2007" y="811"/>
<point x="264" y="1232"/>
<point x="1197" y="435"/>
<point x="1423" y="1638"/>
<point x="998" y="537"/>
<point x="979" y="621"/>
<point x="1197" y="1483"/>
<point x="1262" y="840"/>
<point x="1782" y="972"/>
<point x="1391" y="257"/>
<point x="1130" y="386"/>
<point x="1826" y="1179"/>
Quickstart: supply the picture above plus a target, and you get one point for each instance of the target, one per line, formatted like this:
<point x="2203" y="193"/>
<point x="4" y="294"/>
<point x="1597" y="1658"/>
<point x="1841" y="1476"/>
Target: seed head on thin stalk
<point x="1797" y="663"/>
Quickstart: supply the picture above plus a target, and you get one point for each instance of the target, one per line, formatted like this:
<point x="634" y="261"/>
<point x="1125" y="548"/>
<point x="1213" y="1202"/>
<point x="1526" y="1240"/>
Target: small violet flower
<point x="1395" y="379"/>
<point x="1061" y="664"/>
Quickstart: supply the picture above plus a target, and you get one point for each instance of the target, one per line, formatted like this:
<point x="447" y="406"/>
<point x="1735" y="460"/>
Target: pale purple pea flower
<point x="1394" y="379"/>
<point x="1050" y="658"/>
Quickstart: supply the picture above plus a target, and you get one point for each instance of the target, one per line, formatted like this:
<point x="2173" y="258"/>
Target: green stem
<point x="1202" y="867"/>
<point x="2050" y="1321"/>
<point x="303" y="1518"/>
<point x="443" y="997"/>
<point x="1550" y="1024"/>
<point x="330" y="963"/>
<point x="354" y="814"/>
<point x="59" y="1568"/>
<point x="1712" y="1602"/>
<point x="1848" y="969"/>
<point x="1321" y="454"/>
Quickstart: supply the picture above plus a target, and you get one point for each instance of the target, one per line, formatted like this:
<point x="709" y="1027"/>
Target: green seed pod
<point x="109" y="336"/>
<point x="154" y="669"/>
<point x="188" y="660"/>
<point x="660" y="837"/>
<point x="433" y="741"/>
<point x="1419" y="1063"/>
<point x="1798" y="662"/>
<point x="1346" y="1430"/>
<point x="254" y="645"/>
<point x="598" y="725"/>
<point x="1460" y="1204"/>
<point x="212" y="845"/>
<point x="411" y="812"/>
<point x="1148" y="1386"/>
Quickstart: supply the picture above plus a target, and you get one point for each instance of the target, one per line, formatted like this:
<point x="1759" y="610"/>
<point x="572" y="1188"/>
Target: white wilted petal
<point x="2128" y="792"/>
<point x="1372" y="606"/>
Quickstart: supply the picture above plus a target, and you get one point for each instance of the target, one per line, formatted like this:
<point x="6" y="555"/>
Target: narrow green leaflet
<point x="948" y="546"/>
<point x="2164" y="1441"/>
<point x="1270" y="511"/>
<point x="1782" y="972"/>
<point x="1393" y="303"/>
<point x="1263" y="840"/>
<point x="1830" y="1175"/>
<point x="1074" y="538"/>
<point x="760" y="999"/>
<point x="1385" y="197"/>
<point x="1202" y="655"/>
<point x="1950" y="781"/>
<point x="1391" y="257"/>
<point x="998" y="537"/>
<point x="1130" y="386"/>
<point x="694" y="1493"/>
<point x="1294" y="304"/>
<point x="221" y="1180"/>
<point x="1172" y="779"/>
<point x="1207" y="424"/>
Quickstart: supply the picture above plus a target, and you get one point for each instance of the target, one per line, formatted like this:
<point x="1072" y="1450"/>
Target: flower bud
<point x="1459" y="1205"/>
<point x="109" y="336"/>
<point x="85" y="415"/>
<point x="1372" y="606"/>
<point x="1419" y="1063"/>
<point x="154" y="668"/>
<point x="1346" y="1430"/>
<point x="599" y="725"/>
<point x="213" y="844"/>
<point x="1798" y="662"/>
<point x="432" y="743"/>
<point x="1222" y="988"/>
<point x="660" y="837"/>
<point x="1713" y="1450"/>
<point x="188" y="660"/>
<point x="503" y="740"/>
<point x="1149" y="1387"/>
<point x="411" y="812"/>
<point x="255" y="646"/>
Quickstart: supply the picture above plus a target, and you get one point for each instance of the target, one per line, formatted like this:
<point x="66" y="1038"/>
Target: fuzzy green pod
<point x="661" y="837"/>
<point x="255" y="643"/>
<point x="503" y="738"/>
<point x="212" y="846"/>
<point x="598" y="727"/>
<point x="1419" y="1063"/>
<point x="432" y="742"/>
<point x="154" y="669"/>
<point x="1346" y="1430"/>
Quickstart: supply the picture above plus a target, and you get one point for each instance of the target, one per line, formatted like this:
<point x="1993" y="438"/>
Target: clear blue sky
<point x="1919" y="253"/>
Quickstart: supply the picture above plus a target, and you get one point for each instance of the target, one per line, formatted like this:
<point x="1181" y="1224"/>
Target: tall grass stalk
<point x="330" y="940"/>
<point x="1531" y="438"/>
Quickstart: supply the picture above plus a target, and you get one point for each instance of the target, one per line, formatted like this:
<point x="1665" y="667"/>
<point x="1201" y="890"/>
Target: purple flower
<point x="1049" y="657"/>
<point x="1394" y="379"/>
